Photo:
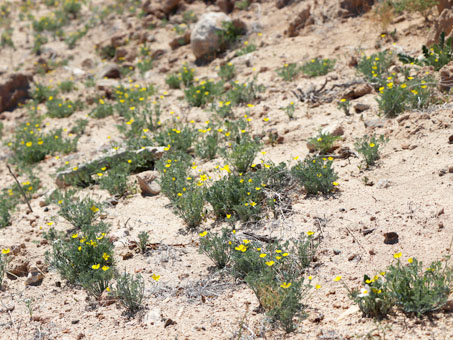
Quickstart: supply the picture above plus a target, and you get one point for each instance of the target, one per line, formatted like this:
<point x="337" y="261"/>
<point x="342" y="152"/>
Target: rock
<point x="450" y="169"/>
<point x="146" y="181"/>
<point x="302" y="20"/>
<point x="355" y="7"/>
<point x="446" y="77"/>
<point x="121" y="233"/>
<point x="402" y="118"/>
<point x="82" y="174"/>
<point x="443" y="4"/>
<point x="14" y="90"/>
<point x="180" y="41"/>
<point x="17" y="268"/>
<point x="282" y="3"/>
<point x="444" y="23"/>
<point x="391" y="238"/>
<point x="204" y="39"/>
<point x="357" y="91"/>
<point x="375" y="123"/>
<point x="127" y="255"/>
<point x="450" y="139"/>
<point x="170" y="6"/>
<point x="109" y="71"/>
<point x="334" y="130"/>
<point x="383" y="184"/>
<point x="441" y="211"/>
<point x="226" y="6"/>
<point x="359" y="108"/>
<point x="35" y="277"/>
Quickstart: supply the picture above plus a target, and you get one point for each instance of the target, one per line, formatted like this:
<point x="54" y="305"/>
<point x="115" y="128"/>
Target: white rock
<point x="153" y="317"/>
<point x="383" y="183"/>
<point x="204" y="39"/>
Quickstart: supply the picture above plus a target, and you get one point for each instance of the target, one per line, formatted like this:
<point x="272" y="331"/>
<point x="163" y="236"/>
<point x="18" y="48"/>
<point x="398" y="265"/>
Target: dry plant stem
<point x="17" y="328"/>
<point x="20" y="188"/>
<point x="355" y="238"/>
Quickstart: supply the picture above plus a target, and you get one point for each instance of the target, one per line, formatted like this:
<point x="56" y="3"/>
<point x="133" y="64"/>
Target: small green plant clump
<point x="4" y="259"/>
<point x="368" y="147"/>
<point x="58" y="108"/>
<point x="273" y="271"/>
<point x="414" y="93"/>
<point x="31" y="145"/>
<point x="227" y="71"/>
<point x="203" y="93"/>
<point x="245" y="93"/>
<point x="410" y="287"/>
<point x="323" y="143"/>
<point x="288" y="72"/>
<point x="316" y="175"/>
<point x="318" y="67"/>
<point x="130" y="291"/>
<point x="290" y="109"/>
<point x="375" y="68"/>
<point x="143" y="238"/>
<point x="246" y="49"/>
<point x="345" y="106"/>
<point x="438" y="55"/>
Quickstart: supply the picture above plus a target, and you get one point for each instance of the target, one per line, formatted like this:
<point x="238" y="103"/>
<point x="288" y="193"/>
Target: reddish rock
<point x="14" y="90"/>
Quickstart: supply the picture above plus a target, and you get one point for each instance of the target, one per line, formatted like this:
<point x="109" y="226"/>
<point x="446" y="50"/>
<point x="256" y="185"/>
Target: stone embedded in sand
<point x="334" y="130"/>
<point x="180" y="41"/>
<point x="13" y="90"/>
<point x="444" y="4"/>
<point x="391" y="238"/>
<point x="35" y="277"/>
<point x="226" y="6"/>
<point x="170" y="6"/>
<point x="357" y="91"/>
<point x="205" y="41"/>
<point x="302" y="20"/>
<point x="18" y="267"/>
<point x="359" y="107"/>
<point x="109" y="71"/>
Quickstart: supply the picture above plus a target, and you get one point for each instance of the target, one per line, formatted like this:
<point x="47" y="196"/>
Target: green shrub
<point x="115" y="180"/>
<point x="79" y="127"/>
<point x="42" y="93"/>
<point x="31" y="145"/>
<point x="208" y="146"/>
<point x="375" y="68"/>
<point x="437" y="56"/>
<point x="173" y="81"/>
<point x="102" y="110"/>
<point x="416" y="290"/>
<point x="80" y="212"/>
<point x="373" y="299"/>
<point x="58" y="108"/>
<point x="323" y="142"/>
<point x="66" y="86"/>
<point x="413" y="94"/>
<point x="245" y="93"/>
<point x="179" y="138"/>
<point x="316" y="175"/>
<point x="248" y="48"/>
<point x="289" y="110"/>
<point x="242" y="153"/>
<point x="84" y="258"/>
<point x="345" y="106"/>
<point x="143" y="238"/>
<point x="3" y="264"/>
<point x="203" y="93"/>
<point x="288" y="72"/>
<point x="217" y="247"/>
<point x="130" y="291"/>
<point x="368" y="147"/>
<point x="227" y="72"/>
<point x="318" y="67"/>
